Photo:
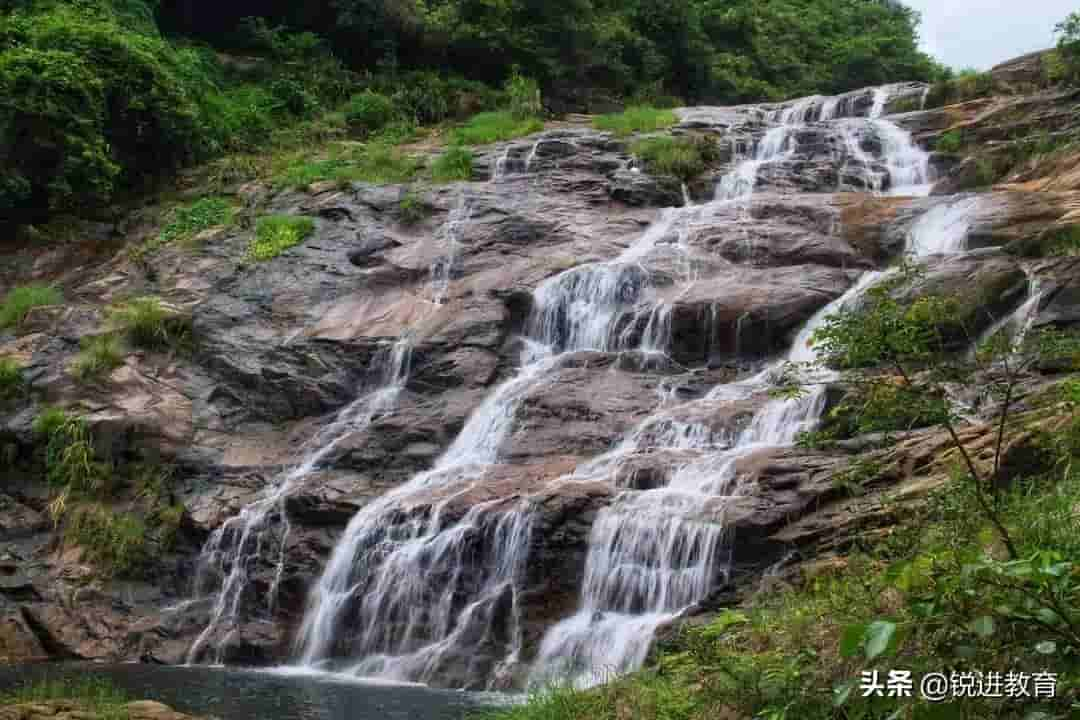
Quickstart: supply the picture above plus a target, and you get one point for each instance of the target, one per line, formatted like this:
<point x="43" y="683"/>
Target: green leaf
<point x="878" y="636"/>
<point x="842" y="692"/>
<point x="1046" y="647"/>
<point x="965" y="651"/>
<point x="851" y="640"/>
<point x="983" y="626"/>
<point x="1048" y="616"/>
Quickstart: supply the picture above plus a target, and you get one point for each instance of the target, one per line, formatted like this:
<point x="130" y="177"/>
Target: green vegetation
<point x="454" y="164"/>
<point x="694" y="49"/>
<point x="636" y="119"/>
<point x="491" y="127"/>
<point x="148" y="323"/>
<point x="187" y="221"/>
<point x="967" y="85"/>
<point x="1065" y="64"/>
<point x="94" y="695"/>
<point x="100" y="354"/>
<point x="684" y="158"/>
<point x="950" y="142"/>
<point x="21" y="300"/>
<point x="378" y="163"/>
<point x="12" y="383"/>
<point x="369" y="112"/>
<point x="274" y="234"/>
<point x="115" y="541"/>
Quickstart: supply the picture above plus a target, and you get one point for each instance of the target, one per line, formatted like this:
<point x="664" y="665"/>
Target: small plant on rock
<point x="274" y="234"/>
<point x="454" y="164"/>
<point x="100" y="354"/>
<point x="21" y="300"/>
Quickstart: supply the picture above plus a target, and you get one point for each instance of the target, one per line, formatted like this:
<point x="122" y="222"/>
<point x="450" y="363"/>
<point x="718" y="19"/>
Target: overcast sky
<point x="982" y="33"/>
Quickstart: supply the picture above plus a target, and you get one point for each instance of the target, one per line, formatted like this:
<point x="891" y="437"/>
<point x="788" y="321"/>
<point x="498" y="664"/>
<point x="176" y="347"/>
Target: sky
<point x="982" y="33"/>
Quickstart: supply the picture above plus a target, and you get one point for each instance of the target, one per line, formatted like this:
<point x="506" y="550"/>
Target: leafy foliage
<point x="21" y="300"/>
<point x="274" y="234"/>
<point x="369" y="112"/>
<point x="1068" y="48"/>
<point x="188" y="221"/>
<point x="967" y="85"/>
<point x="114" y="541"/>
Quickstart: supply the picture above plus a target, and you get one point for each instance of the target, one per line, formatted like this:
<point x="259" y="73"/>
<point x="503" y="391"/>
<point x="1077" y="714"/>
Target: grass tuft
<point x="21" y="300"/>
<point x="454" y="164"/>
<point x="147" y="323"/>
<point x="640" y="118"/>
<point x="99" y="355"/>
<point x="274" y="234"/>
<point x="683" y="158"/>
<point x="188" y="221"/>
<point x="114" y="541"/>
<point x="12" y="383"/>
<point x="489" y="127"/>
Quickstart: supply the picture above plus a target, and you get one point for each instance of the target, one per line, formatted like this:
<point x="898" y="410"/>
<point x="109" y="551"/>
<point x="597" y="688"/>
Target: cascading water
<point x="234" y="548"/>
<point x="654" y="553"/>
<point x="403" y="596"/>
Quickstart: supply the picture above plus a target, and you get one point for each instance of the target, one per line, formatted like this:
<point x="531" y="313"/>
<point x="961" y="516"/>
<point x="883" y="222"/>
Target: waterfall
<point x="943" y="229"/>
<point x="228" y="556"/>
<point x="403" y="596"/>
<point x="897" y="159"/>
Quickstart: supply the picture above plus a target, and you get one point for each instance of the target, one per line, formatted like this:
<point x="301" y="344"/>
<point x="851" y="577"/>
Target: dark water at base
<point x="234" y="694"/>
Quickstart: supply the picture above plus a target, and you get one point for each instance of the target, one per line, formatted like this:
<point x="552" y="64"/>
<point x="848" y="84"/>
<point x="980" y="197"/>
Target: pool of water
<point x="238" y="694"/>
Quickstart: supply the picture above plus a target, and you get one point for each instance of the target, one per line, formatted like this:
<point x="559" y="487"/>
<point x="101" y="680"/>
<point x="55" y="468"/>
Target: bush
<point x="641" y="118"/>
<point x="369" y="112"/>
<point x="490" y="127"/>
<point x="950" y="142"/>
<point x="683" y="158"/>
<point x="99" y="355"/>
<point x="380" y="163"/>
<point x="71" y="462"/>
<point x="48" y="421"/>
<point x="188" y="221"/>
<point x="147" y="323"/>
<point x="454" y="164"/>
<point x="274" y="234"/>
<point x="21" y="300"/>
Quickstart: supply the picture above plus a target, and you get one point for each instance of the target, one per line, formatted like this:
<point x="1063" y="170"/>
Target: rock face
<point x="547" y="340"/>
<point x="67" y="710"/>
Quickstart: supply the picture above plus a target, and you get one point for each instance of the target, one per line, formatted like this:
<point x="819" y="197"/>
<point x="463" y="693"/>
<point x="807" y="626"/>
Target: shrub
<point x="454" y="164"/>
<point x="147" y="323"/>
<point x="21" y="300"/>
<point x="641" y="118"/>
<point x="490" y="127"/>
<point x="188" y="221"/>
<point x="369" y="112"/>
<point x="274" y="234"/>
<point x="950" y="142"/>
<point x="11" y="379"/>
<point x="99" y="355"/>
<point x="380" y="163"/>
